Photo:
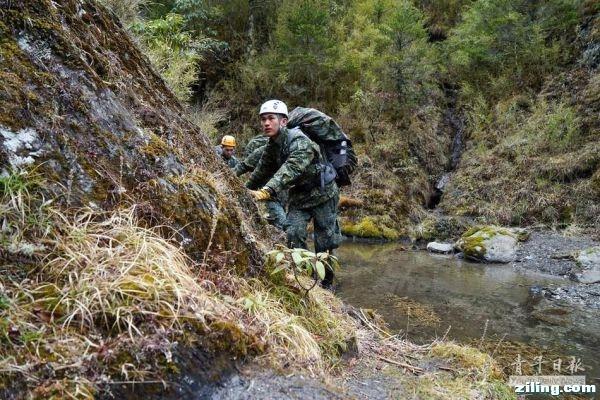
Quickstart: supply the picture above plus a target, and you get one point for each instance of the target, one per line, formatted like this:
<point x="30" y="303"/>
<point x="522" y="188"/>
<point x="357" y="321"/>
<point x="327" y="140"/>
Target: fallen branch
<point x="412" y="368"/>
<point x="373" y="326"/>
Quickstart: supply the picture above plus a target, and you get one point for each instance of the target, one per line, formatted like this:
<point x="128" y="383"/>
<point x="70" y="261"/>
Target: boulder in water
<point x="443" y="248"/>
<point x="489" y="244"/>
<point x="588" y="266"/>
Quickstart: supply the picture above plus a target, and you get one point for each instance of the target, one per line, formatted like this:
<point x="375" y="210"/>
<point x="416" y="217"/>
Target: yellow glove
<point x="261" y="195"/>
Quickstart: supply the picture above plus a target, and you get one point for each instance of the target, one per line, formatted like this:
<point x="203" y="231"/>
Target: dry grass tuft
<point x="481" y="365"/>
<point x="310" y="332"/>
<point x="110" y="271"/>
<point x="109" y="297"/>
<point x="126" y="10"/>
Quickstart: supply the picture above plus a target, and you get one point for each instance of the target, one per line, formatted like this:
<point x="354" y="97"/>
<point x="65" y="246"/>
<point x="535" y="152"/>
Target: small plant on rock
<point x="302" y="261"/>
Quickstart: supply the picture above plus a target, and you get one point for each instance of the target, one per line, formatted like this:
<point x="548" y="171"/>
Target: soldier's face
<point x="271" y="123"/>
<point x="228" y="151"/>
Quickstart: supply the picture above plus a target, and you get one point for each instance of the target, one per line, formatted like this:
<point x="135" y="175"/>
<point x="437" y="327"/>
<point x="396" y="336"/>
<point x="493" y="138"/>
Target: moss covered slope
<point x="82" y="104"/>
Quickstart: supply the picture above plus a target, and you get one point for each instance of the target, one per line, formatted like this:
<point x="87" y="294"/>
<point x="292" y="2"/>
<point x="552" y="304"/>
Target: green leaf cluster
<point x="302" y="261"/>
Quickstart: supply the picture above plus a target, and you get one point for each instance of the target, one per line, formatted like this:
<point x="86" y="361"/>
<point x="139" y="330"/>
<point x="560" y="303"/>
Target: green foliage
<point x="4" y="303"/>
<point x="386" y="53"/>
<point x="305" y="48"/>
<point x="172" y="50"/>
<point x="302" y="261"/>
<point x="22" y="214"/>
<point x="503" y="45"/>
<point x="198" y="14"/>
<point x="442" y="14"/>
<point x="414" y="59"/>
<point x="558" y="20"/>
<point x="557" y="125"/>
<point x="15" y="182"/>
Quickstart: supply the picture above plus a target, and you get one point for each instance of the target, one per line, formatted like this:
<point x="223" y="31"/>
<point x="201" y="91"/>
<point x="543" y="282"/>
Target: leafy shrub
<point x="499" y="46"/>
<point x="172" y="50"/>
<point x="302" y="261"/>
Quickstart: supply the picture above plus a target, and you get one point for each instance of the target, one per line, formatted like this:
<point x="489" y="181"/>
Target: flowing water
<point x="424" y="295"/>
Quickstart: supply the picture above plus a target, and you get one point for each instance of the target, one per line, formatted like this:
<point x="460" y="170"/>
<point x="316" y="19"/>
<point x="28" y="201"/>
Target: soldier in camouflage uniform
<point x="252" y="154"/>
<point x="255" y="148"/>
<point x="292" y="161"/>
<point x="254" y="143"/>
<point x="226" y="149"/>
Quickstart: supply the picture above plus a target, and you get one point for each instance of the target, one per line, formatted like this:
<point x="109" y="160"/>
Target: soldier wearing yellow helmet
<point x="226" y="150"/>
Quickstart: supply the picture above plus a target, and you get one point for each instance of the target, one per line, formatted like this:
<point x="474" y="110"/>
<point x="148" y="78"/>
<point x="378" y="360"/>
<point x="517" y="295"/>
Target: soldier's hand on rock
<point x="263" y="194"/>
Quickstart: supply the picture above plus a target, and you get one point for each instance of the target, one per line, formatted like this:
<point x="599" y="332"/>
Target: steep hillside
<point x="86" y="109"/>
<point x="533" y="158"/>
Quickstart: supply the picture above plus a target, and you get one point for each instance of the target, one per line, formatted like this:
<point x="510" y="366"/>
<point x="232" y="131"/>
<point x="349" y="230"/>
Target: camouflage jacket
<point x="291" y="161"/>
<point x="255" y="143"/>
<point x="249" y="163"/>
<point x="252" y="154"/>
<point x="231" y="162"/>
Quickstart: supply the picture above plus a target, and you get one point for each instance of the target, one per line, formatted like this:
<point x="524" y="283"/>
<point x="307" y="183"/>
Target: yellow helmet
<point x="228" y="140"/>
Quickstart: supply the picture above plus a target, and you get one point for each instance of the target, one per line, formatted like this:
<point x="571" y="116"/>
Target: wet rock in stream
<point x="489" y="244"/>
<point x="588" y="266"/>
<point x="569" y="257"/>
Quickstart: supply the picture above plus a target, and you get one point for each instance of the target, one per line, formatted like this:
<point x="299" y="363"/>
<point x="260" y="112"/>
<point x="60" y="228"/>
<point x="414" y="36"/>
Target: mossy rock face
<point x="489" y="244"/>
<point x="82" y="105"/>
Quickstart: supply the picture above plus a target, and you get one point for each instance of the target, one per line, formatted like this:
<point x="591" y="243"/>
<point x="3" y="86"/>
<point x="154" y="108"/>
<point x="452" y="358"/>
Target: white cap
<point x="275" y="107"/>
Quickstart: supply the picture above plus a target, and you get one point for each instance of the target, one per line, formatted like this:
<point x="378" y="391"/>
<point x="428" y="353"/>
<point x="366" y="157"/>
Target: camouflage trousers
<point x="327" y="228"/>
<point x="276" y="214"/>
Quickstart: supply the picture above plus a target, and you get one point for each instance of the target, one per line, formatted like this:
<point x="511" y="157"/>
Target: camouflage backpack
<point x="334" y="143"/>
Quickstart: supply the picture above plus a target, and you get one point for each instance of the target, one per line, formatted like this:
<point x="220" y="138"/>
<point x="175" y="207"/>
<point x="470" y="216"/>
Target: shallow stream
<point x="426" y="295"/>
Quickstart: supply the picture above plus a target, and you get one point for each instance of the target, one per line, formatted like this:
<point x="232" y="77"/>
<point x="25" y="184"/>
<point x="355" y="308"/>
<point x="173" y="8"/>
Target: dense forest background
<point x="481" y="109"/>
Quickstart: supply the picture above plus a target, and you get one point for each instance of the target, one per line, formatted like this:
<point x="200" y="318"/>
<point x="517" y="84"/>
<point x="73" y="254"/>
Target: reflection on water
<point x="465" y="296"/>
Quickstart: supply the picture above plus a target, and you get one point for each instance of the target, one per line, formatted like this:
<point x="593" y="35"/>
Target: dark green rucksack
<point x="334" y="143"/>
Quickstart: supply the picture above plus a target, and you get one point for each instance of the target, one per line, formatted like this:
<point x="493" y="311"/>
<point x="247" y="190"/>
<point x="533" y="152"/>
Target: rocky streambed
<point x="576" y="259"/>
<point x="555" y="254"/>
<point x="534" y="301"/>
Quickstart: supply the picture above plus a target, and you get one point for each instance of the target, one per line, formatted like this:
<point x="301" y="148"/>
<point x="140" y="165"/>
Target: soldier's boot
<point x="327" y="233"/>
